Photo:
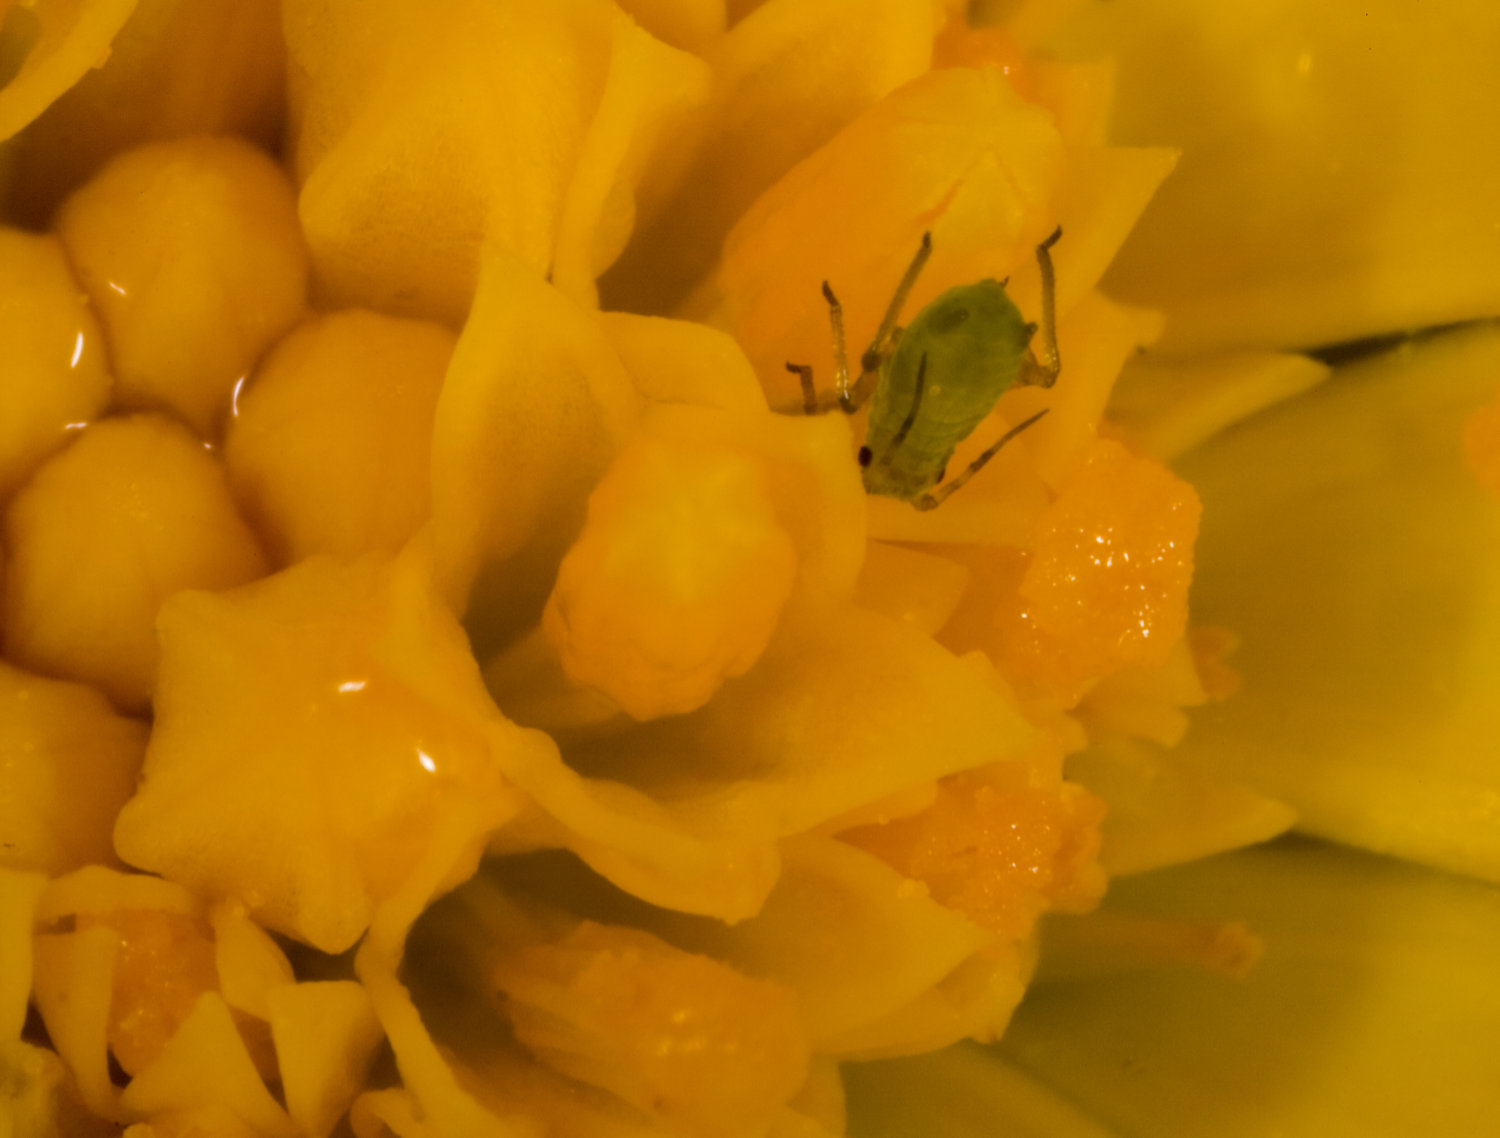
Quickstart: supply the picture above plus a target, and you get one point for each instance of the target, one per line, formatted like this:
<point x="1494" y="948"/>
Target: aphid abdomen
<point x="954" y="361"/>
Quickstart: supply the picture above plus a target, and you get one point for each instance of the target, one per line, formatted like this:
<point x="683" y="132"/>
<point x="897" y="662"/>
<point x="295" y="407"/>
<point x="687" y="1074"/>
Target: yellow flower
<point x="769" y="778"/>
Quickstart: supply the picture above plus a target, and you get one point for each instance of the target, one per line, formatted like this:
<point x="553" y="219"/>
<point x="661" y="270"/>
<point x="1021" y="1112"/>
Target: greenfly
<point x="934" y="381"/>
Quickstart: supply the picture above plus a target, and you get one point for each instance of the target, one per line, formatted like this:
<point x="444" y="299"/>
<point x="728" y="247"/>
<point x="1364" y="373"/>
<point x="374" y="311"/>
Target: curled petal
<point x="69" y="39"/>
<point x="176" y="68"/>
<point x="535" y="405"/>
<point x="563" y="107"/>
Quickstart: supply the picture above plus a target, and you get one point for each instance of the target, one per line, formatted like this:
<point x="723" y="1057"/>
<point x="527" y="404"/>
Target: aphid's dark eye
<point x="865" y="457"/>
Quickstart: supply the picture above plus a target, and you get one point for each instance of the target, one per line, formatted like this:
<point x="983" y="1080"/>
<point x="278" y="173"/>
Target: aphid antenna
<point x="886" y="335"/>
<point x="880" y="344"/>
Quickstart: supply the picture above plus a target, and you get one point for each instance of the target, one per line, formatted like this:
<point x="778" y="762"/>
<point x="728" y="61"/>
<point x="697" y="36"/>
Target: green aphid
<point x="936" y="380"/>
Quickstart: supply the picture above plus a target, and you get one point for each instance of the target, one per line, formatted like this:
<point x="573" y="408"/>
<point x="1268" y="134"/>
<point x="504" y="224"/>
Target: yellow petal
<point x="1161" y="813"/>
<point x="692" y="25"/>
<point x="916" y="588"/>
<point x="326" y="1034"/>
<point x="1146" y="701"/>
<point x="1340" y="167"/>
<point x="38" y="1093"/>
<point x="1167" y="408"/>
<point x="667" y="812"/>
<point x="973" y="1001"/>
<point x="909" y="712"/>
<point x="679" y="361"/>
<point x="535" y="405"/>
<point x="1345" y="540"/>
<point x="309" y="791"/>
<point x="377" y="1114"/>
<point x="375" y="136"/>
<point x="779" y="94"/>
<point x="962" y="1092"/>
<point x="1369" y="1013"/>
<point x="248" y="961"/>
<point x="72" y="988"/>
<point x="891" y="943"/>
<point x="708" y="853"/>
<point x="18" y="895"/>
<point x="649" y="89"/>
<point x="95" y="891"/>
<point x="201" y="1118"/>
<point x="562" y="108"/>
<point x="433" y="1104"/>
<point x="206" y="1064"/>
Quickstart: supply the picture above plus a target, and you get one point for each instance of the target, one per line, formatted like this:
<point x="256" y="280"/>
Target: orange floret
<point x="1481" y="443"/>
<point x="997" y="848"/>
<point x="1107" y="583"/>
<point x="677" y="581"/>
<point x="676" y="1034"/>
<point x="164" y="963"/>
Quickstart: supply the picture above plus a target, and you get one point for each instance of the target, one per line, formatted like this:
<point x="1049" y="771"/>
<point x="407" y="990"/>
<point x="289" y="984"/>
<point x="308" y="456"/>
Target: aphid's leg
<point x="1043" y="372"/>
<point x="840" y="348"/>
<point x="810" y="402"/>
<point x="809" y="392"/>
<point x="884" y="342"/>
<point x="935" y="498"/>
<point x="898" y="301"/>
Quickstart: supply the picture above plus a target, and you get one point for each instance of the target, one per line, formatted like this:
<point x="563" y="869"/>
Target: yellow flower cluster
<point x="450" y="687"/>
